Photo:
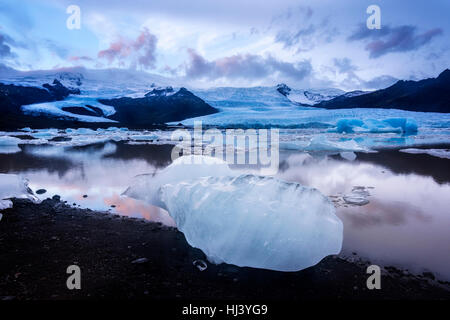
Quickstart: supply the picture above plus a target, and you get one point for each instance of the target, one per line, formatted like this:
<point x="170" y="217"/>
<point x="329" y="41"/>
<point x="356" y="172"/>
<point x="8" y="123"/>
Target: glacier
<point x="55" y="108"/>
<point x="255" y="107"/>
<point x="244" y="219"/>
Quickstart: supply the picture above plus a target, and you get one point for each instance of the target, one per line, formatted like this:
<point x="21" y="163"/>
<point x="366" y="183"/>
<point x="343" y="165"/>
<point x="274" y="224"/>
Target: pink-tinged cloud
<point x="80" y="58"/>
<point x="140" y="52"/>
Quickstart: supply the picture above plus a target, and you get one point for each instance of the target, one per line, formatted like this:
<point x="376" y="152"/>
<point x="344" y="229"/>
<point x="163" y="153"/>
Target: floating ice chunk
<point x="9" y="141"/>
<point x="84" y="131"/>
<point x="406" y="124"/>
<point x="13" y="186"/>
<point x="9" y="144"/>
<point x="144" y="137"/>
<point x="397" y="125"/>
<point x="358" y="196"/>
<point x="45" y="133"/>
<point x="321" y="143"/>
<point x="255" y="221"/>
<point x="440" y="153"/>
<point x="27" y="129"/>
<point x="348" y="125"/>
<point x="147" y="187"/>
<point x="293" y="145"/>
<point x="348" y="155"/>
<point x="9" y="149"/>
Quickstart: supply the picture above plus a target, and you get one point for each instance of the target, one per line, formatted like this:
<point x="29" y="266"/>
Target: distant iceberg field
<point x="369" y="128"/>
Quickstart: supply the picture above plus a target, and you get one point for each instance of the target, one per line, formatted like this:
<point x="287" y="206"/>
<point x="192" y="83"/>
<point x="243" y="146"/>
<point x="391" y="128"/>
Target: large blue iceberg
<point x="396" y="125"/>
<point x="246" y="220"/>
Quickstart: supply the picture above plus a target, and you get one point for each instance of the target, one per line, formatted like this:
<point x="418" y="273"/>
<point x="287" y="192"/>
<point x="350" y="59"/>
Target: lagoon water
<point x="405" y="223"/>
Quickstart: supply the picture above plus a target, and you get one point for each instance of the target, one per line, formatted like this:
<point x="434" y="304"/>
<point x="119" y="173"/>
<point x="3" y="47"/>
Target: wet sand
<point x="39" y="241"/>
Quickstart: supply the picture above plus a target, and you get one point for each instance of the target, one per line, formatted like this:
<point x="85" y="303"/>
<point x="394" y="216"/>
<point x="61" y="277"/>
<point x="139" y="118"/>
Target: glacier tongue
<point x="246" y="220"/>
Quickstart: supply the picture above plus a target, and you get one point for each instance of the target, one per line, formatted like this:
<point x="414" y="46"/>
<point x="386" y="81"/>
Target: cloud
<point x="5" y="46"/>
<point x="6" y="43"/>
<point x="248" y="66"/>
<point x="344" y="65"/>
<point x="397" y="39"/>
<point x="298" y="29"/>
<point x="346" y="68"/>
<point x="380" y="82"/>
<point x="140" y="52"/>
<point x="55" y="48"/>
<point x="80" y="58"/>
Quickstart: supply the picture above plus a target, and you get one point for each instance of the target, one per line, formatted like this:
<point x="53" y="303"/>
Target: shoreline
<point x="130" y="258"/>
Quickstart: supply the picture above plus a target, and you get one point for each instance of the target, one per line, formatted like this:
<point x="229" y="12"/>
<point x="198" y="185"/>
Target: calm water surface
<point x="405" y="224"/>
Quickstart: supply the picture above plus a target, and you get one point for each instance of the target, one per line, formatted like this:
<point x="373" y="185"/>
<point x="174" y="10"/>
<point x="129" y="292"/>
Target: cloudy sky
<point x="315" y="43"/>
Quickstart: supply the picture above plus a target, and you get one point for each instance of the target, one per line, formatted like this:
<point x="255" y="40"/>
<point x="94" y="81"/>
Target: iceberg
<point x="440" y="153"/>
<point x="9" y="144"/>
<point x="13" y="186"/>
<point x="144" y="137"/>
<point x="358" y="196"/>
<point x="321" y="143"/>
<point x="348" y="155"/>
<point x="395" y="125"/>
<point x="245" y="220"/>
<point x="45" y="133"/>
<point x="146" y="187"/>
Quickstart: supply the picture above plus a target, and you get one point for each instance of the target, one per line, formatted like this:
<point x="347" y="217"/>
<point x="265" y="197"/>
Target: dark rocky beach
<point x="127" y="258"/>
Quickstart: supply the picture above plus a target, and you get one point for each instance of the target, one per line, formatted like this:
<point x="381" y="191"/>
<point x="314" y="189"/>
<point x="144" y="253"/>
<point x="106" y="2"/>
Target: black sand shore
<point x="39" y="241"/>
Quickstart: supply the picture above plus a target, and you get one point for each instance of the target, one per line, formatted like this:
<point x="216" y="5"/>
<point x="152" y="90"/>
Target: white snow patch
<point x="54" y="109"/>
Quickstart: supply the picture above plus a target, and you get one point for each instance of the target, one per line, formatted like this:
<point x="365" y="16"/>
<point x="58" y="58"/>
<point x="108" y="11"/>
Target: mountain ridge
<point x="427" y="95"/>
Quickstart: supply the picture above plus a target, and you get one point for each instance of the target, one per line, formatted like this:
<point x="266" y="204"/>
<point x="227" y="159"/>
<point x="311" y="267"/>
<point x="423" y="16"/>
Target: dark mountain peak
<point x="427" y="95"/>
<point x="58" y="90"/>
<point x="184" y="92"/>
<point x="157" y="92"/>
<point x="444" y="75"/>
<point x="158" y="106"/>
<point x="283" y="89"/>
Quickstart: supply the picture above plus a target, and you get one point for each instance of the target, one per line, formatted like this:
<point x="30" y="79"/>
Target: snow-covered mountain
<point x="308" y="97"/>
<point x="105" y="83"/>
<point x="78" y="97"/>
<point x="103" y="92"/>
